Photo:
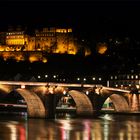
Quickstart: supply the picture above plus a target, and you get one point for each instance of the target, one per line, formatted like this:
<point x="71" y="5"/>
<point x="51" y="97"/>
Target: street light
<point x="94" y="78"/>
<point x="100" y="79"/>
<point x="38" y="76"/>
<point x="78" y="79"/>
<point x="84" y="79"/>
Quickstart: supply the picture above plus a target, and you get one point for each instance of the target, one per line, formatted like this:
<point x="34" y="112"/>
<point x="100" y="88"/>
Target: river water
<point x="102" y="127"/>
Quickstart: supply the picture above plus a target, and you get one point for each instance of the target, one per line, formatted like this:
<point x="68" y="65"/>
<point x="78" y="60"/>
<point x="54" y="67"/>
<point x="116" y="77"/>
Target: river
<point x="102" y="127"/>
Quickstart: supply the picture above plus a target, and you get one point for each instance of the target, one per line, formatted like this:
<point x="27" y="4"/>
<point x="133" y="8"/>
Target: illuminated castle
<point x="49" y="40"/>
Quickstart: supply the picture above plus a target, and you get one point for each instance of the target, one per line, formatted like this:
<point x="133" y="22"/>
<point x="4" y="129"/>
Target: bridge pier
<point x="50" y="105"/>
<point x="135" y="102"/>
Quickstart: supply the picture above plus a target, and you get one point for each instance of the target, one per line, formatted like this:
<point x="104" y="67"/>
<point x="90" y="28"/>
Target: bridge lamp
<point x="137" y="86"/>
<point x="84" y="79"/>
<point x="87" y="92"/>
<point x="22" y="86"/>
<point x="97" y="91"/>
<point x="64" y="92"/>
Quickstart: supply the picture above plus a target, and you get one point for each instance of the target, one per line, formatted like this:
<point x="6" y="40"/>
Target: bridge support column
<point x="135" y="105"/>
<point x="50" y="105"/>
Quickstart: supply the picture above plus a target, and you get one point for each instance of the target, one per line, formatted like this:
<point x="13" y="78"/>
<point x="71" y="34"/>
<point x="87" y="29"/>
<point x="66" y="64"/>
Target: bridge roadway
<point x="42" y="97"/>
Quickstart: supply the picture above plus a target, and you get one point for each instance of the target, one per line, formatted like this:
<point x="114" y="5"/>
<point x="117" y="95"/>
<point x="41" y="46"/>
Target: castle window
<point x="111" y="77"/>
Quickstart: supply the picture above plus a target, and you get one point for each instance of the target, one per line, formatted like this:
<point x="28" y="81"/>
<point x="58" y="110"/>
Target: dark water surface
<point x="103" y="127"/>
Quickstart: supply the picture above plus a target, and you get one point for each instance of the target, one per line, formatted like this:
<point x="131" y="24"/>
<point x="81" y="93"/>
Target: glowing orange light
<point x="33" y="59"/>
<point x="101" y="48"/>
<point x="19" y="58"/>
<point x="87" y="52"/>
<point x="44" y="60"/>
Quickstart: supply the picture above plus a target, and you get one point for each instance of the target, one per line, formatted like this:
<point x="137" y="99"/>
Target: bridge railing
<point x="47" y="84"/>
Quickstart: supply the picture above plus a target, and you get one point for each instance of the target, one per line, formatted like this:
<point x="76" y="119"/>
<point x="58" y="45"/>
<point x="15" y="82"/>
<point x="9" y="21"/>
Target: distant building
<point x="55" y="40"/>
<point x="46" y="40"/>
<point x="125" y="81"/>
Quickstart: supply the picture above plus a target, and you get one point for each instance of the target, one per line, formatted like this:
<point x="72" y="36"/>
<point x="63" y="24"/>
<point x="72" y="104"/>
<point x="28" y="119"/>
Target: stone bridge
<point x="41" y="97"/>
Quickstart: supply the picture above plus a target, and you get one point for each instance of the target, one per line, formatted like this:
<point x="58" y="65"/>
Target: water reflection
<point x="13" y="130"/>
<point x="104" y="127"/>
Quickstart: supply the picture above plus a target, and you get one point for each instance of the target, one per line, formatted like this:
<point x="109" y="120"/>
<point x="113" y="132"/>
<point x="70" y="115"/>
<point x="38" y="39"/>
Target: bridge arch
<point x="119" y="102"/>
<point x="118" y="98"/>
<point x="83" y="104"/>
<point x="35" y="106"/>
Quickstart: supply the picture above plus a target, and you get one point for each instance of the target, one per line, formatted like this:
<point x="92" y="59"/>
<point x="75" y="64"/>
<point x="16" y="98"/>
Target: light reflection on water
<point x="103" y="127"/>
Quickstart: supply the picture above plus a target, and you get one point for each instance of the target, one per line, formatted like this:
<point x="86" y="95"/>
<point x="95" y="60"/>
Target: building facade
<point x="55" y="40"/>
<point x="125" y="81"/>
<point x="51" y="40"/>
<point x="45" y="40"/>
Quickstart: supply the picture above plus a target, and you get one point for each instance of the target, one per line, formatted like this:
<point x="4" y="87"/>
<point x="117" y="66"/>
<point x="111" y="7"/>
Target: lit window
<point x="132" y="77"/>
<point x="69" y="30"/>
<point x="115" y="77"/>
<point x="46" y="76"/>
<point x="111" y="77"/>
<point x="54" y="76"/>
<point x="128" y="77"/>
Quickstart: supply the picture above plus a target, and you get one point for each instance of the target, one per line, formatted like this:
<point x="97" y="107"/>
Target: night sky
<point x="91" y="17"/>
